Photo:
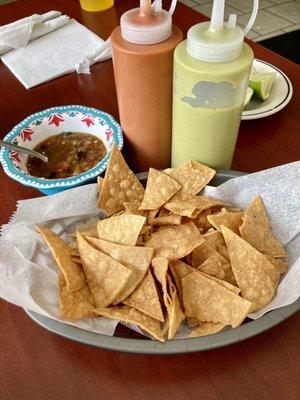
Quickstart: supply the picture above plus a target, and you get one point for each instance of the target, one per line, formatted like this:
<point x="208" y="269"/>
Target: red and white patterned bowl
<point x="41" y="125"/>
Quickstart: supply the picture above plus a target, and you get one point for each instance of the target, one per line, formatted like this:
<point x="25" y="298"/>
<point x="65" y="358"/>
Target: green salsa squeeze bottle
<point x="211" y="73"/>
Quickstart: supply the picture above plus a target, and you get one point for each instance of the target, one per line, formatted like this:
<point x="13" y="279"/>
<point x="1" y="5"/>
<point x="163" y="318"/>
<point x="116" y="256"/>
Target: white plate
<point x="281" y="94"/>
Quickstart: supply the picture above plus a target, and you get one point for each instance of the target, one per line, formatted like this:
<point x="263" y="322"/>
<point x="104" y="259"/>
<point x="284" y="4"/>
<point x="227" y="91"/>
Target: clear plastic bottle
<point x="211" y="72"/>
<point x="143" y="48"/>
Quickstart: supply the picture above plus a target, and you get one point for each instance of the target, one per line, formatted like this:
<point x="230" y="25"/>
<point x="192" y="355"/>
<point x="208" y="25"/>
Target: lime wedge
<point x="262" y="84"/>
<point x="249" y="94"/>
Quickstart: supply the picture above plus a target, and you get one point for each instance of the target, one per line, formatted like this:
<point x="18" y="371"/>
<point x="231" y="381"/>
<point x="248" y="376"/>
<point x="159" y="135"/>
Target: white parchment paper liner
<point x="28" y="276"/>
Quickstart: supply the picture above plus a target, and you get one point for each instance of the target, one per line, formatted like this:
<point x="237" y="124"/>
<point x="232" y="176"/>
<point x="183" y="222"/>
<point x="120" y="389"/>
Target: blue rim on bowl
<point x="51" y="184"/>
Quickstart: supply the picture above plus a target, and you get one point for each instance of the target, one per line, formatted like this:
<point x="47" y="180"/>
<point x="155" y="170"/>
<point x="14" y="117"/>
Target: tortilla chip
<point x="212" y="266"/>
<point x="132" y="207"/>
<point x="75" y="305"/>
<point x="137" y="259"/>
<point x="192" y="176"/>
<point x="256" y="230"/>
<point x="203" y="253"/>
<point x="120" y="185"/>
<point x="202" y="222"/>
<point x="192" y="206"/>
<point x="122" y="229"/>
<point x="151" y="215"/>
<point x="231" y="220"/>
<point x="223" y="251"/>
<point x="100" y="181"/>
<point x="91" y="231"/>
<point x="163" y="212"/>
<point x="174" y="311"/>
<point x="77" y="260"/>
<point x="179" y="270"/>
<point x="145" y="298"/>
<point x="75" y="253"/>
<point x="62" y="254"/>
<point x="167" y="220"/>
<point x="174" y="242"/>
<point x="131" y="315"/>
<point x="192" y="322"/>
<point x="226" y="284"/>
<point x="160" y="188"/>
<point x="279" y="264"/>
<point x="207" y="328"/>
<point x="255" y="274"/>
<point x="214" y="239"/>
<point x="160" y="269"/>
<point x="106" y="277"/>
<point x="206" y="300"/>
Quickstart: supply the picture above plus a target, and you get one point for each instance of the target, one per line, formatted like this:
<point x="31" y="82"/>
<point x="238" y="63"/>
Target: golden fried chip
<point x="145" y="298"/>
<point x="167" y="220"/>
<point x="279" y="264"/>
<point x="151" y="215"/>
<point x="214" y="239"/>
<point x="174" y="242"/>
<point x="206" y="300"/>
<point x="231" y="220"/>
<point x="75" y="305"/>
<point x="160" y="188"/>
<point x="62" y="254"/>
<point x="180" y="270"/>
<point x="100" y="184"/>
<point x="202" y="222"/>
<point x="122" y="229"/>
<point x="192" y="206"/>
<point x="192" y="176"/>
<point x="106" y="277"/>
<point x="132" y="207"/>
<point x="256" y="230"/>
<point x="131" y="315"/>
<point x="212" y="266"/>
<point x="223" y="251"/>
<point x="90" y="231"/>
<point x="163" y="212"/>
<point x="207" y="328"/>
<point x="175" y="315"/>
<point x="137" y="259"/>
<point x="77" y="260"/>
<point x="255" y="274"/>
<point x="160" y="269"/>
<point x="88" y="228"/>
<point x="203" y="253"/>
<point x="75" y="252"/>
<point x="120" y="185"/>
<point x="226" y="284"/>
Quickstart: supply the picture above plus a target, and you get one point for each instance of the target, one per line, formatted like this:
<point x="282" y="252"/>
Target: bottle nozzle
<point x="231" y="24"/>
<point x="145" y="7"/>
<point x="217" y="15"/>
<point x="157" y="4"/>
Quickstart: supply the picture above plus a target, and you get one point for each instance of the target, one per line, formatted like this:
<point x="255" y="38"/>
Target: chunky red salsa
<point x="69" y="154"/>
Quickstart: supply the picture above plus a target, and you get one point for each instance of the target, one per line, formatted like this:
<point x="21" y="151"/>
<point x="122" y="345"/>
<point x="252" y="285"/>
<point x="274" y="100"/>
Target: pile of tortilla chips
<point x="165" y="254"/>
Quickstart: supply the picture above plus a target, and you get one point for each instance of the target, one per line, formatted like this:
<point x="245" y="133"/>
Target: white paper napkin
<point x="17" y="34"/>
<point x="54" y="54"/>
<point x="28" y="274"/>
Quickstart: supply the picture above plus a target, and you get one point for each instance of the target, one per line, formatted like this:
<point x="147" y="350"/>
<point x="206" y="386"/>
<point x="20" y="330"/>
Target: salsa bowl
<point x="40" y="126"/>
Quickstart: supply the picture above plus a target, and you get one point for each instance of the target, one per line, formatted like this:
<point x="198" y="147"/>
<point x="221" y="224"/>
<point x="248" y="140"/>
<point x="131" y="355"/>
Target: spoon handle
<point x="21" y="149"/>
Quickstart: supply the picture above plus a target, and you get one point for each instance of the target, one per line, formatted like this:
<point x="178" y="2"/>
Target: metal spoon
<point x="21" y="149"/>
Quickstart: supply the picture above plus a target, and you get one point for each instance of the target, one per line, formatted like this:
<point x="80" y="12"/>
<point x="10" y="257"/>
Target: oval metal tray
<point x="148" y="346"/>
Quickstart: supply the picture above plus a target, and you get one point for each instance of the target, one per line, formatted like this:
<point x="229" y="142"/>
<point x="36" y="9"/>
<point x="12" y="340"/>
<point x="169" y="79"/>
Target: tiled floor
<point x="275" y="17"/>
